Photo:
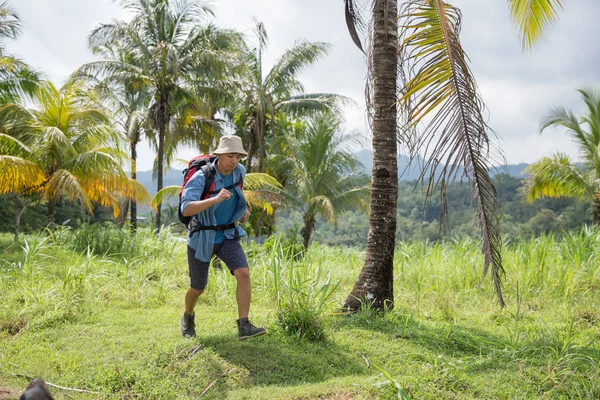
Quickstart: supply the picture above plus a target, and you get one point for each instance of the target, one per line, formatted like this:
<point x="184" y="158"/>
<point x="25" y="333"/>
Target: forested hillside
<point x="417" y="219"/>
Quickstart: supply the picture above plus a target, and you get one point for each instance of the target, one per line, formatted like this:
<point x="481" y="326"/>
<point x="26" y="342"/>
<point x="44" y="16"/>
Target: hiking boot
<point x="187" y="325"/>
<point x="246" y="330"/>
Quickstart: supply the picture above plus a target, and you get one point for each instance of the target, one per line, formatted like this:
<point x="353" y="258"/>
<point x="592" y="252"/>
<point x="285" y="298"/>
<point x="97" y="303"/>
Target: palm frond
<point x="441" y="87"/>
<point x="10" y="25"/>
<point x="286" y="69"/>
<point x="107" y="189"/>
<point x="556" y="176"/>
<point x="305" y="103"/>
<point x="260" y="181"/>
<point x="263" y="191"/>
<point x="324" y="206"/>
<point x="586" y="137"/>
<point x="10" y="145"/>
<point x="64" y="183"/>
<point x="533" y="18"/>
<point x="18" y="175"/>
<point x="17" y="79"/>
<point x="562" y="117"/>
<point x="353" y="22"/>
<point x="165" y="194"/>
<point x="263" y="200"/>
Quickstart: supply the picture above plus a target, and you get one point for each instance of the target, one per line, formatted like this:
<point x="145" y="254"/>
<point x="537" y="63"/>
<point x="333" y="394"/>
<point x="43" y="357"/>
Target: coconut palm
<point x="324" y="173"/>
<point x="558" y="175"/>
<point x="436" y="86"/>
<point x="68" y="152"/>
<point x="128" y="100"/>
<point x="173" y="47"/>
<point x="266" y="93"/>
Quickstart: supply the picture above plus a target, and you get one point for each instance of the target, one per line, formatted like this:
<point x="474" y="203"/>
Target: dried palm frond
<point x="441" y="93"/>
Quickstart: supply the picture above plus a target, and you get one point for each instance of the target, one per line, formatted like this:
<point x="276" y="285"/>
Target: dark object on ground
<point x="37" y="390"/>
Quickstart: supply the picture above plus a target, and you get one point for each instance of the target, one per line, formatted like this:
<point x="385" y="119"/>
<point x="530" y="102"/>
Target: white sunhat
<point x="230" y="144"/>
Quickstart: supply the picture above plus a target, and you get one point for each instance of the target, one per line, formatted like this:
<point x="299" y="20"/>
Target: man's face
<point x="228" y="162"/>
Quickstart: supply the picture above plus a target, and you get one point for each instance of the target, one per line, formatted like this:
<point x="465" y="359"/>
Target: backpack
<point x="205" y="162"/>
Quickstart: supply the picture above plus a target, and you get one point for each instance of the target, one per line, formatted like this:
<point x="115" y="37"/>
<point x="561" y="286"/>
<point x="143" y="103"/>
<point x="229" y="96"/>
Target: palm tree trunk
<point x="51" y="218"/>
<point x="271" y="222"/>
<point x="133" y="215"/>
<point x="260" y="141"/>
<point x="251" y="147"/>
<point x="307" y="230"/>
<point x="162" y="121"/>
<point x="596" y="205"/>
<point x="259" y="224"/>
<point x="375" y="284"/>
<point x="19" y="207"/>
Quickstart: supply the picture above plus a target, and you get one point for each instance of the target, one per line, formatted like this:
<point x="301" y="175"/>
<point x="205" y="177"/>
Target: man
<point x="212" y="232"/>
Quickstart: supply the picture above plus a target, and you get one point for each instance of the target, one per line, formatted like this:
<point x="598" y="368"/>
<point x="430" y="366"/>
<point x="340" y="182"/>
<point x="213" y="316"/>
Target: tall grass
<point x="302" y="287"/>
<point x="445" y="332"/>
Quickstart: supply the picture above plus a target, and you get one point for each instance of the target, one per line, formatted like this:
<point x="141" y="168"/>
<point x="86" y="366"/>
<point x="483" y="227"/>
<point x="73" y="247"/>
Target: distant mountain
<point x="174" y="176"/>
<point x="413" y="172"/>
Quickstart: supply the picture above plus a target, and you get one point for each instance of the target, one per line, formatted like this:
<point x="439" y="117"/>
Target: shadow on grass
<point x="276" y="360"/>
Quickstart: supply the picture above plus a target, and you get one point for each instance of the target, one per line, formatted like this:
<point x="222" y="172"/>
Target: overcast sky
<point x="518" y="88"/>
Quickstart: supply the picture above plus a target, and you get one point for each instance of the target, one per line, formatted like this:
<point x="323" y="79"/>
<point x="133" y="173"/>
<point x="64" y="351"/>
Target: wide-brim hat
<point x="230" y="144"/>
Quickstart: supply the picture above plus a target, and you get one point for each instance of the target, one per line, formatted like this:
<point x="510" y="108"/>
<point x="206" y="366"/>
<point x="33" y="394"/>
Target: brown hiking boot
<point x="187" y="325"/>
<point x="246" y="330"/>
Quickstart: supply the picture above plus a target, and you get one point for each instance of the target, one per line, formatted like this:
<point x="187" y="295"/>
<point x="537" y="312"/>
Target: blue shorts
<point x="230" y="252"/>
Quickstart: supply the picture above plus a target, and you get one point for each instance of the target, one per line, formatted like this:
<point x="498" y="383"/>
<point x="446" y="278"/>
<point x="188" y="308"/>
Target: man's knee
<point x="241" y="273"/>
<point x="195" y="292"/>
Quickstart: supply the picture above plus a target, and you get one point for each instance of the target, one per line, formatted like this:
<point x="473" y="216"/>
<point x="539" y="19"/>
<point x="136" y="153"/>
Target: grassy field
<point x="104" y="319"/>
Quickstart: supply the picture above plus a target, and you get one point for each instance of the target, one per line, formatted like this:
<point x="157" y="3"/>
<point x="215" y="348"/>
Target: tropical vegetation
<point x="93" y="307"/>
<point x="324" y="173"/>
<point x="65" y="147"/>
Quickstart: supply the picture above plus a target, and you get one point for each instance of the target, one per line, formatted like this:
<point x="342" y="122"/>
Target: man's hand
<point x="223" y="195"/>
<point x="245" y="216"/>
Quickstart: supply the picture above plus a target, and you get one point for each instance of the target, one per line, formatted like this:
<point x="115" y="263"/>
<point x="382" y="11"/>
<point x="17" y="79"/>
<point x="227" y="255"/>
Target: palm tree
<point x="324" y="173"/>
<point x="172" y="47"/>
<point x="69" y="152"/>
<point x="129" y="100"/>
<point x="437" y="84"/>
<point x="558" y="176"/>
<point x="265" y="94"/>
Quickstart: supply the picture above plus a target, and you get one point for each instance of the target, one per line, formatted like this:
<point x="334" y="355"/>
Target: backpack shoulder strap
<point x="208" y="170"/>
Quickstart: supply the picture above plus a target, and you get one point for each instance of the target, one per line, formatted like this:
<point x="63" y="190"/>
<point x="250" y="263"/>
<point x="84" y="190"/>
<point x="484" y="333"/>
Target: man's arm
<point x="196" y="207"/>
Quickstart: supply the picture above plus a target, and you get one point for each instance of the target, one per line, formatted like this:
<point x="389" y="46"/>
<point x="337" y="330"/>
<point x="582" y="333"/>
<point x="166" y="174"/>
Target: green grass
<point x="79" y="314"/>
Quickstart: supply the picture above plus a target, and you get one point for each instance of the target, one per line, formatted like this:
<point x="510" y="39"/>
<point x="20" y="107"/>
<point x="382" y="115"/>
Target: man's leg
<point x="198" y="277"/>
<point x="232" y="254"/>
<point x="243" y="292"/>
<point x="190" y="300"/>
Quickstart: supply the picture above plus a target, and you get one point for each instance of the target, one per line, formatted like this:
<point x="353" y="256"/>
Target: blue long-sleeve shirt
<point x="203" y="241"/>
